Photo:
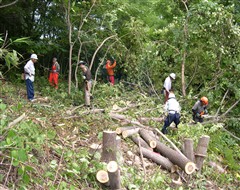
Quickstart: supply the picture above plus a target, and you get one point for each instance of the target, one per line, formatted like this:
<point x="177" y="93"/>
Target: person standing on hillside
<point x="87" y="77"/>
<point x="172" y="107"/>
<point x="199" y="109"/>
<point x="29" y="73"/>
<point x="110" y="70"/>
<point x="54" y="72"/>
<point x="168" y="85"/>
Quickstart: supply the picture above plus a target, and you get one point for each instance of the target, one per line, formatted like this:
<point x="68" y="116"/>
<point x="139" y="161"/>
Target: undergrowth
<point x="48" y="151"/>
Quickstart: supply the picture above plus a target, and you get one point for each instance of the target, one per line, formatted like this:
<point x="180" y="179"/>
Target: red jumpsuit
<point x="53" y="77"/>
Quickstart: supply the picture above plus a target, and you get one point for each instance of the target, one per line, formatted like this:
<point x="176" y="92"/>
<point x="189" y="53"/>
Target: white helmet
<point x="173" y="76"/>
<point x="34" y="56"/>
<point x="171" y="95"/>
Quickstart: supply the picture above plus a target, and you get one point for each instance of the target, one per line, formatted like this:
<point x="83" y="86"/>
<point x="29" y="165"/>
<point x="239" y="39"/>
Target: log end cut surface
<point x="102" y="176"/>
<point x="190" y="167"/>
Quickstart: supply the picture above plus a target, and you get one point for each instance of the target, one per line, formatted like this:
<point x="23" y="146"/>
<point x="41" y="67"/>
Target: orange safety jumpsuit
<point x="110" y="71"/>
<point x="53" y="77"/>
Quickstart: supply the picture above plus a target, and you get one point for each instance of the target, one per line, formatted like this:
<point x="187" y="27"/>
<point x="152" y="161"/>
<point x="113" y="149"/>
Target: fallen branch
<point x="217" y="167"/>
<point x="230" y="133"/>
<point x="141" y="156"/>
<point x="93" y="111"/>
<point x="16" y="121"/>
<point x="230" y="108"/>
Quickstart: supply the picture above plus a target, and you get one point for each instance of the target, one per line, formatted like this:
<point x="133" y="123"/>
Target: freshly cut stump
<point x="102" y="177"/>
<point x="148" y="137"/>
<point x="109" y="148"/>
<point x="114" y="175"/>
<point x="188" y="149"/>
<point x="185" y="164"/>
<point x="201" y="151"/>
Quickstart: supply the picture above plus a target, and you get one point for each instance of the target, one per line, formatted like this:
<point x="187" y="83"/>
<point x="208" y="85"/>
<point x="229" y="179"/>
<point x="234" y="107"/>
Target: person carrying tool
<point x="172" y="107"/>
<point x="87" y="77"/>
<point x="199" y="109"/>
<point x="54" y="72"/>
<point x="110" y="66"/>
<point x="168" y="85"/>
<point x="29" y="72"/>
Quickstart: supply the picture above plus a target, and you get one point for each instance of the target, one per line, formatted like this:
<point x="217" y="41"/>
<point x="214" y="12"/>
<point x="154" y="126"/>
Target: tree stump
<point x="119" y="152"/>
<point x="201" y="151"/>
<point x="114" y="175"/>
<point x="102" y="177"/>
<point x="176" y="158"/>
<point x="130" y="132"/>
<point x="148" y="137"/>
<point x="188" y="149"/>
<point x="109" y="146"/>
<point x="157" y="158"/>
<point x="136" y="138"/>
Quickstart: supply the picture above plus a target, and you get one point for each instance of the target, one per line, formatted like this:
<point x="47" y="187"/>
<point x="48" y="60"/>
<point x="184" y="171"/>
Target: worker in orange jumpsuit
<point x="54" y="72"/>
<point x="110" y="66"/>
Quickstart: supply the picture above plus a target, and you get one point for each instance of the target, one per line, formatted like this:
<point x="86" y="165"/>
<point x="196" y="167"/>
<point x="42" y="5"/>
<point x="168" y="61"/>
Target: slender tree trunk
<point x="71" y="46"/>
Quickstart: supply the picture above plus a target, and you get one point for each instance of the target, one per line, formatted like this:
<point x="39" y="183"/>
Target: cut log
<point x="129" y="132"/>
<point x="188" y="149"/>
<point x="176" y="158"/>
<point x="148" y="137"/>
<point x="119" y="130"/>
<point x="16" y="121"/>
<point x="109" y="146"/>
<point x="147" y="119"/>
<point x="143" y="143"/>
<point x="102" y="177"/>
<point x="117" y="116"/>
<point x="216" y="166"/>
<point x="157" y="158"/>
<point x="201" y="151"/>
<point x="114" y="175"/>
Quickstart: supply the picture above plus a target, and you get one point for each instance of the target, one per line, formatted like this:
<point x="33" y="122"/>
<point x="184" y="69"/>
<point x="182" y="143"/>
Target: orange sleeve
<point x="111" y="66"/>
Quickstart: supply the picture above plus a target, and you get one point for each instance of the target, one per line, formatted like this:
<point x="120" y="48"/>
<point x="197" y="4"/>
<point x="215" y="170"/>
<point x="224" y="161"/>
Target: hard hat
<point x="171" y="95"/>
<point x="204" y="100"/>
<point x="173" y="76"/>
<point x="34" y="56"/>
<point x="82" y="63"/>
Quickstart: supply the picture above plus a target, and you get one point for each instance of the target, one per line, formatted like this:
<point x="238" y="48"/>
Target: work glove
<point x="84" y="77"/>
<point x="206" y="111"/>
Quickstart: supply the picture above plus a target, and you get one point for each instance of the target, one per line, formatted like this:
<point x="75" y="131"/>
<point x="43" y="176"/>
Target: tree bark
<point x="130" y="132"/>
<point x="147" y="119"/>
<point x="157" y="158"/>
<point x="136" y="138"/>
<point x="201" y="151"/>
<point x="109" y="149"/>
<point x="119" y="130"/>
<point x="188" y="149"/>
<point x="176" y="158"/>
<point x="114" y="175"/>
<point x="148" y="138"/>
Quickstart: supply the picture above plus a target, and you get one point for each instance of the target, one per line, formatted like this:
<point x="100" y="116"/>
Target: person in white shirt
<point x="29" y="72"/>
<point x="172" y="107"/>
<point x="168" y="85"/>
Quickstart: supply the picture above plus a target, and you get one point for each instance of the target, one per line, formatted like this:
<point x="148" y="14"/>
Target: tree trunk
<point x="114" y="175"/>
<point x="119" y="152"/>
<point x="102" y="177"/>
<point x="136" y="138"/>
<point x="188" y="149"/>
<point x="148" y="138"/>
<point x="157" y="158"/>
<point x="119" y="130"/>
<point x="176" y="158"/>
<point x="201" y="151"/>
<point x="130" y="132"/>
<point x="109" y="149"/>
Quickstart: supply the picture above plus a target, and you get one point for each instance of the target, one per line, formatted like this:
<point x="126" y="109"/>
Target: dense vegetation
<point x="199" y="40"/>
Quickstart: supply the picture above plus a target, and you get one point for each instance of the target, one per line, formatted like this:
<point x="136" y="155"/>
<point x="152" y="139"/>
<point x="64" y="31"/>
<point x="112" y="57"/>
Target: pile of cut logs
<point x="152" y="148"/>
